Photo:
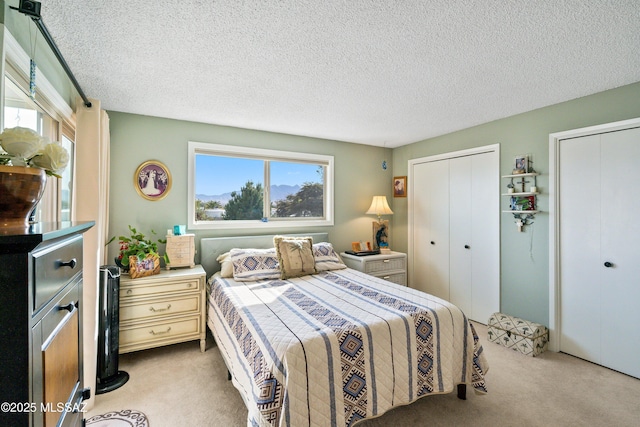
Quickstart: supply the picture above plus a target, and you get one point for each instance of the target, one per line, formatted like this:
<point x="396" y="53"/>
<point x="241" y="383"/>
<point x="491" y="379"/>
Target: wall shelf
<point x="523" y="198"/>
<point x="521" y="174"/>
<point x="521" y="212"/>
<point x="527" y="193"/>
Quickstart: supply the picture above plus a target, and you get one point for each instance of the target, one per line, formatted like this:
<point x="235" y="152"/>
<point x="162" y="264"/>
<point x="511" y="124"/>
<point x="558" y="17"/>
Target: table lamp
<point x="379" y="206"/>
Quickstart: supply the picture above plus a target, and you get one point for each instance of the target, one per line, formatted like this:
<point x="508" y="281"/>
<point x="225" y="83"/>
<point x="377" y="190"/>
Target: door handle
<point x="467" y="247"/>
<point x="608" y="264"/>
<point x="433" y="243"/>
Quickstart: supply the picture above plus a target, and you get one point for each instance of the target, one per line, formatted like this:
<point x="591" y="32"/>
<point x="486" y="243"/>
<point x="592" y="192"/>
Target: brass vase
<point x="21" y="188"/>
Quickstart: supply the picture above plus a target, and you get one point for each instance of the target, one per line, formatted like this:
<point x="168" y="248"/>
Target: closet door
<point x="485" y="235"/>
<point x="430" y="225"/>
<point x="620" y="283"/>
<point x="600" y="320"/>
<point x="474" y="229"/>
<point x="580" y="221"/>
<point x="460" y="214"/>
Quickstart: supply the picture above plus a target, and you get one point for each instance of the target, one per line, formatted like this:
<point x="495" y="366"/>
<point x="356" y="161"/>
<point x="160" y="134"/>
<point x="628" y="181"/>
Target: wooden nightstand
<point x="165" y="308"/>
<point x="391" y="266"/>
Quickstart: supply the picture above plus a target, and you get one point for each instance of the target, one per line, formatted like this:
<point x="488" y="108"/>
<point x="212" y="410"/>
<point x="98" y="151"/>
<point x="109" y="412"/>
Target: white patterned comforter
<point x="336" y="347"/>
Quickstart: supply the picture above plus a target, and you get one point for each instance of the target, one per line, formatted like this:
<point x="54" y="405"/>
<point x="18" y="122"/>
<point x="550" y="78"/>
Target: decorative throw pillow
<point x="226" y="266"/>
<point x="295" y="256"/>
<point x="254" y="264"/>
<point x="326" y="257"/>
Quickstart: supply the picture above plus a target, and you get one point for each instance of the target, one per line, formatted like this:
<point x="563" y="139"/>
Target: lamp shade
<point x="379" y="206"/>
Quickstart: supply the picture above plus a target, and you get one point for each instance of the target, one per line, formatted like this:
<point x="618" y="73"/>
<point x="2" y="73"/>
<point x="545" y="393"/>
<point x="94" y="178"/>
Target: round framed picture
<point x="152" y="180"/>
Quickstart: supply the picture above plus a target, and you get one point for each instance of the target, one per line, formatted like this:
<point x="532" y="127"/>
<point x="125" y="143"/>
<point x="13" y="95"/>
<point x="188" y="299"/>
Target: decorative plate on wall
<point x="152" y="180"/>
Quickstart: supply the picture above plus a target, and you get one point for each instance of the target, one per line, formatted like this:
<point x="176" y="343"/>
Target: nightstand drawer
<point x="398" y="278"/>
<point x="377" y="266"/>
<point x="160" y="307"/>
<point x="158" y="333"/>
<point x="135" y="288"/>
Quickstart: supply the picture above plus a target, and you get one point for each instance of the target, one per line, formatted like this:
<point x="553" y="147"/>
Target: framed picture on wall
<point x="399" y="186"/>
<point x="152" y="180"/>
<point x="521" y="165"/>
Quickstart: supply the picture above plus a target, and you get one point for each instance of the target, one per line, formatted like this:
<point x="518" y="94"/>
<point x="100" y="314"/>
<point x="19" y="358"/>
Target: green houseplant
<point x="139" y="254"/>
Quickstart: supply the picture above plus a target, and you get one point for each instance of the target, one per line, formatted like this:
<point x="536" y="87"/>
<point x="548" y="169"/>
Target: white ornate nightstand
<point x="391" y="266"/>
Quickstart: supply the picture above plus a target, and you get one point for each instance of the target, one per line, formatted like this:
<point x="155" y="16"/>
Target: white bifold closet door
<point x="599" y="254"/>
<point x="455" y="226"/>
<point x="430" y="267"/>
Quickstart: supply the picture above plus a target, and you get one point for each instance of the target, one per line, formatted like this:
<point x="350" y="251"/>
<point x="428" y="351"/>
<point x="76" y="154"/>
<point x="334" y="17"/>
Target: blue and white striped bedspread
<point x="336" y="347"/>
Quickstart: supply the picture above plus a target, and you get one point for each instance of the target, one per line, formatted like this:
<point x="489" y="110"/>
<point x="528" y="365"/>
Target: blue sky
<point x="217" y="175"/>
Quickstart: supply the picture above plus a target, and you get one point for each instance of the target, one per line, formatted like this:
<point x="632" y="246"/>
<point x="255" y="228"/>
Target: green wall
<point x="525" y="255"/>
<point x="358" y="176"/>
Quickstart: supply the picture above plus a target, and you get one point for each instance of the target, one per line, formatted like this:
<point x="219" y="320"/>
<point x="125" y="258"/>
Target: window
<point x="239" y="187"/>
<point x="20" y="110"/>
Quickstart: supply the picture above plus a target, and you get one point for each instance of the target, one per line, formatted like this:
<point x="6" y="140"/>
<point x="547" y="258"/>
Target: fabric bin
<point x="530" y="339"/>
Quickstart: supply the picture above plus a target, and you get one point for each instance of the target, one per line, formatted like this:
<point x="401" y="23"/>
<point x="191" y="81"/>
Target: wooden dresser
<point x="41" y="370"/>
<point x="165" y="308"/>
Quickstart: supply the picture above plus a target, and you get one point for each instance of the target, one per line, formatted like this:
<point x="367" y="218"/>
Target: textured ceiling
<point x="379" y="72"/>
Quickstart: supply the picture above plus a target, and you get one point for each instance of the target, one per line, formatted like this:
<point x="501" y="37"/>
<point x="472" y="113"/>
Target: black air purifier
<point x="108" y="376"/>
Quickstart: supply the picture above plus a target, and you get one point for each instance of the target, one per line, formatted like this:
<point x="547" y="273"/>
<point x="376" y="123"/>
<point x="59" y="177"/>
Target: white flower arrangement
<point x="24" y="147"/>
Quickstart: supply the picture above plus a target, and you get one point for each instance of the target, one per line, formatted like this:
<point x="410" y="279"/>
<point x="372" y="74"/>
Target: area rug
<point x="124" y="418"/>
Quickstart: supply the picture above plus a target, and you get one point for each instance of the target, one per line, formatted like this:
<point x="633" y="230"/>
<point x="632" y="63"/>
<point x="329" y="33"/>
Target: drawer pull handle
<point x="129" y="291"/>
<point x="71" y="263"/>
<point x="189" y="285"/>
<point x="386" y="277"/>
<point x="152" y="332"/>
<point x="160" y="310"/>
<point x="69" y="307"/>
<point x="386" y="260"/>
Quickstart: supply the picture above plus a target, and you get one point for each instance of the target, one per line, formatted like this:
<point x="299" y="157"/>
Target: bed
<point x="334" y="347"/>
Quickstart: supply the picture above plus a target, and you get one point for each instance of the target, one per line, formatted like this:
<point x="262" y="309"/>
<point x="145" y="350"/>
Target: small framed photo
<point x="152" y="180"/>
<point x="399" y="186"/>
<point x="521" y="164"/>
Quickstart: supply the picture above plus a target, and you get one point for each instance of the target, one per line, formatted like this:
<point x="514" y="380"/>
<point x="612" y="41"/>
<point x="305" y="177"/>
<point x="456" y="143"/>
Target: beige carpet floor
<point x="180" y="386"/>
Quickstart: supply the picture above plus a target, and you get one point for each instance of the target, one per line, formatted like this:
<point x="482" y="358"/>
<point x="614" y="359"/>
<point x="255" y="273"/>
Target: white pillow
<point x="226" y="266"/>
<point x="326" y="257"/>
<point x="254" y="264"/>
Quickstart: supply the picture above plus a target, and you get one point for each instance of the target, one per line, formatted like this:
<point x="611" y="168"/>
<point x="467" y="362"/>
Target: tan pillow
<point x="294" y="256"/>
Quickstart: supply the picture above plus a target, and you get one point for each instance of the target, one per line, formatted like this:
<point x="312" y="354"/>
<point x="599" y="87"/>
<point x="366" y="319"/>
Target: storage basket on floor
<point x="528" y="338"/>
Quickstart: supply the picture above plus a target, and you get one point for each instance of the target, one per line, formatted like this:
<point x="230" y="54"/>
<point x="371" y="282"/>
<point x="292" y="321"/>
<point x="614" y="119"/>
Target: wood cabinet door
<point x="60" y="367"/>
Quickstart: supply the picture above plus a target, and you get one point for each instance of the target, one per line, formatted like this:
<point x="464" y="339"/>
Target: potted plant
<point x="139" y="254"/>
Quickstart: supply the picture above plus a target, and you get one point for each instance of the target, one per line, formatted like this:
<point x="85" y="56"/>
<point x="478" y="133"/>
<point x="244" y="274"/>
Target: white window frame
<point x="263" y="154"/>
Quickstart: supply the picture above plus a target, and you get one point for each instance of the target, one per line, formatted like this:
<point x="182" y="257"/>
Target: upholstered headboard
<point x="212" y="247"/>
